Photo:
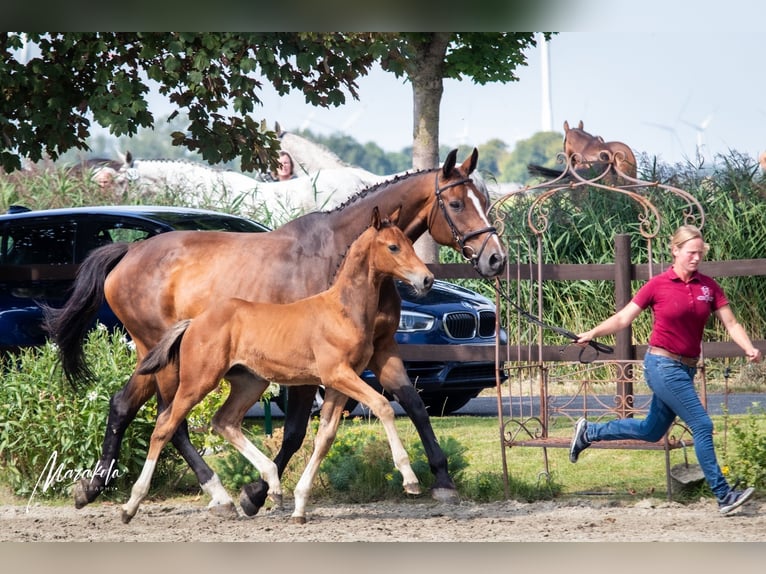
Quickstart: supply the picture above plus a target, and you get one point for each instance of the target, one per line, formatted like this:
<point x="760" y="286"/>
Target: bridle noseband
<point x="460" y="239"/>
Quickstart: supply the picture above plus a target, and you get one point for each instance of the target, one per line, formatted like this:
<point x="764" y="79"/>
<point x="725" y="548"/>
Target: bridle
<point x="473" y="257"/>
<point x="460" y="239"/>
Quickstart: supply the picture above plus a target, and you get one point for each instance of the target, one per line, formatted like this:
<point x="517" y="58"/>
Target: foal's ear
<point x="394" y="217"/>
<point x="580" y="125"/>
<point x="375" y="218"/>
<point x="566" y="126"/>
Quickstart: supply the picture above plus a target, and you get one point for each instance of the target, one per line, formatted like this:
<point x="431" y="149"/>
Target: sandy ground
<point x="422" y="520"/>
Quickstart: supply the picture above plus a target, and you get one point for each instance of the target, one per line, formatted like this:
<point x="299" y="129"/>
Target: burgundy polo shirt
<point x="680" y="310"/>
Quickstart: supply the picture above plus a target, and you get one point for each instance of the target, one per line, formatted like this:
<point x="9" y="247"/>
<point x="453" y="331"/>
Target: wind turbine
<point x="674" y="138"/>
<point x="545" y="77"/>
<point x="700" y="129"/>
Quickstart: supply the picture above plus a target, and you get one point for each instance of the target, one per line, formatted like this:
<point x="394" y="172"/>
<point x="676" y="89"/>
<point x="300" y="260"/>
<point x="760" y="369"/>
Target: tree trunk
<point x="426" y="74"/>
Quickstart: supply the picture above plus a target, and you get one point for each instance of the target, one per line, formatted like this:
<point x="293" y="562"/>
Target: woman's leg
<point x="677" y="391"/>
<point x="657" y="421"/>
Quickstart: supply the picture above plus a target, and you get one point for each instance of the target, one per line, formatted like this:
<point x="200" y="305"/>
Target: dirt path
<point x="417" y="521"/>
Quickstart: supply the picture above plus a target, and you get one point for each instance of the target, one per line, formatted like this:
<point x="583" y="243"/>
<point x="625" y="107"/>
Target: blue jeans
<point x="674" y="395"/>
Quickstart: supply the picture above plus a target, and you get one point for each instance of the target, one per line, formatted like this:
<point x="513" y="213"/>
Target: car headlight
<point x="410" y="321"/>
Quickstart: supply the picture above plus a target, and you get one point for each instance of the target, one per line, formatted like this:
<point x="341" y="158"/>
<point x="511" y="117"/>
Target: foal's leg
<point x="300" y="402"/>
<point x="389" y="368"/>
<point x="167" y="423"/>
<point x="221" y="503"/>
<point x="332" y="409"/>
<point x="329" y="419"/>
<point x="123" y="407"/>
<point x="245" y="391"/>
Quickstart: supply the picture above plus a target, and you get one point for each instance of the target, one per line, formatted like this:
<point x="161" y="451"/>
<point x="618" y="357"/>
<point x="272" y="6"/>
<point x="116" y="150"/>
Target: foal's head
<point x="392" y="253"/>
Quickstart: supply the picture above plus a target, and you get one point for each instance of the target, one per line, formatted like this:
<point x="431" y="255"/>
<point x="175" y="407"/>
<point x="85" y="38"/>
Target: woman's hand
<point x="754" y="355"/>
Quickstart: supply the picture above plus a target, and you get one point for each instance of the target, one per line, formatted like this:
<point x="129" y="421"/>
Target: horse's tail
<point x="69" y="325"/>
<point x="542" y="171"/>
<point x="166" y="351"/>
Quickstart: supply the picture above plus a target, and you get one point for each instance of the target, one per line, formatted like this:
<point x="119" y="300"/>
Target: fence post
<point x="623" y="339"/>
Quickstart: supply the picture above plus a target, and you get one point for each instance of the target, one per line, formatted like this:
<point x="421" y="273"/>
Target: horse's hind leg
<point x="167" y="423"/>
<point x="123" y="407"/>
<point x="328" y="428"/>
<point x="221" y="503"/>
<point x="300" y="402"/>
<point x="245" y="391"/>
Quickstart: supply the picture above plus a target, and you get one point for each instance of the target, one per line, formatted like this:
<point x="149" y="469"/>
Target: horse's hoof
<point x="445" y="495"/>
<point x="252" y="496"/>
<point x="298" y="519"/>
<point x="126" y="516"/>
<point x="412" y="488"/>
<point x="247" y="505"/>
<point x="83" y="496"/>
<point x="227" y="510"/>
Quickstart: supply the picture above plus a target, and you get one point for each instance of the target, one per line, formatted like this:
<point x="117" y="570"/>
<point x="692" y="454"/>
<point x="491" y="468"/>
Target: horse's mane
<point x="477" y="180"/>
<point x="375" y="187"/>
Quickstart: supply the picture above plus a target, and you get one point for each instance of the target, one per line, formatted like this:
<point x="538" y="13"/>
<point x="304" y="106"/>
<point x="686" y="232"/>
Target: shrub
<point x="45" y="420"/>
<point x="748" y="461"/>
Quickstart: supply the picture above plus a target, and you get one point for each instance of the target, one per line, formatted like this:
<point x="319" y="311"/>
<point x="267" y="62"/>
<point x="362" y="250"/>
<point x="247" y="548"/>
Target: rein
<point x="599" y="347"/>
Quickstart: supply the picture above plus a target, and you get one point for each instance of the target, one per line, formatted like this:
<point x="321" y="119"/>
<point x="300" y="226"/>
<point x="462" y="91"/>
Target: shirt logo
<point x="706" y="296"/>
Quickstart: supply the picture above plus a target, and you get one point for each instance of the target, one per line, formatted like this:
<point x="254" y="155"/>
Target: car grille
<point x="465" y="325"/>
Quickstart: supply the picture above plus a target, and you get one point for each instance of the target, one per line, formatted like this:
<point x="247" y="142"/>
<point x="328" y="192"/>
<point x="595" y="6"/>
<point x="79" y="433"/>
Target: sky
<point x="660" y="92"/>
<point x="668" y="78"/>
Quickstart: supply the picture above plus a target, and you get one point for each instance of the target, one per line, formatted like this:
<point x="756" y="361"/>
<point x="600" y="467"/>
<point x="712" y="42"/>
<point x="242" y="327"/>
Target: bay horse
<point x="323" y="339"/>
<point x="592" y="153"/>
<point x="153" y="284"/>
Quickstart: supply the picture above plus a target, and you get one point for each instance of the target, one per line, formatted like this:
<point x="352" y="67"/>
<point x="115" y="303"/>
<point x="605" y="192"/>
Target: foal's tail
<point x="69" y="325"/>
<point x="166" y="351"/>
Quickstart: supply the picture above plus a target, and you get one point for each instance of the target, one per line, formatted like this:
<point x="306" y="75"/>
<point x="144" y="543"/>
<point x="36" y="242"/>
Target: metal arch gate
<point x="529" y="412"/>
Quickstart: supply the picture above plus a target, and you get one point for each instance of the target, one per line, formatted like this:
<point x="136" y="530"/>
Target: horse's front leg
<point x="300" y="400"/>
<point x="389" y="368"/>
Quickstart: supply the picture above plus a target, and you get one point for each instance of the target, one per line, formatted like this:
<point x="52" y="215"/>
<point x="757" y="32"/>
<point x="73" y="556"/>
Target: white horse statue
<point x="323" y="181"/>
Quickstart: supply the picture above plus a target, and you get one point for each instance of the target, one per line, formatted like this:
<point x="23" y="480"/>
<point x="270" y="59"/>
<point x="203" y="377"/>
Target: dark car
<point x="40" y="252"/>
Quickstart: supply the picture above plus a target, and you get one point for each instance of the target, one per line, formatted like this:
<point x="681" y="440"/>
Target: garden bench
<point x="542" y="402"/>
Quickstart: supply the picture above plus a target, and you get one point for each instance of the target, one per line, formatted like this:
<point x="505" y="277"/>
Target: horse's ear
<point x="375" y="219"/>
<point x="580" y="125"/>
<point x="449" y="163"/>
<point x="566" y="126"/>
<point x="470" y="163"/>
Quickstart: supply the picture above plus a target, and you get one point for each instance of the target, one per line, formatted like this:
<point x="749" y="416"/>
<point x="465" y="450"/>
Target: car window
<point x="50" y="244"/>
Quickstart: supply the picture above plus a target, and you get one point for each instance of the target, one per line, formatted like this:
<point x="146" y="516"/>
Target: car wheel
<point x="281" y="400"/>
<point x="440" y="405"/>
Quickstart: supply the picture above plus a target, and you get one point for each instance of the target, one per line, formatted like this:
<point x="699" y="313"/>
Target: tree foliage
<point x="540" y="149"/>
<point x="427" y="58"/>
<point x="48" y="99"/>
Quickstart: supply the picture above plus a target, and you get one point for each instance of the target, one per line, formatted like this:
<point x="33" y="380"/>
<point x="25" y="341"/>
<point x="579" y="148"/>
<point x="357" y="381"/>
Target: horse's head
<point x="581" y="145"/>
<point x="592" y="152"/>
<point x="459" y="216"/>
<point x="392" y="254"/>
